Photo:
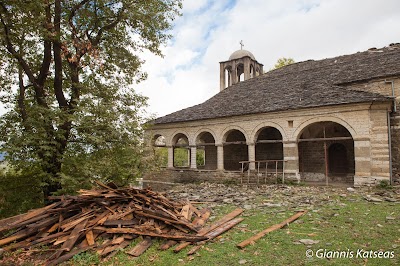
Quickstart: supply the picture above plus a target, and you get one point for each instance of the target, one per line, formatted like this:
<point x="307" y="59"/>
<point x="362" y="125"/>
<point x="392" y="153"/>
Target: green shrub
<point x="384" y="184"/>
<point x="19" y="193"/>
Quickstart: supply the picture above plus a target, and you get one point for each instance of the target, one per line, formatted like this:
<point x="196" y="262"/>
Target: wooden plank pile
<point x="116" y="216"/>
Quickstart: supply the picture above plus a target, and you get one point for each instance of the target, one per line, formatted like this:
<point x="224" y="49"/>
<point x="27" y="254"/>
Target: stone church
<point x="326" y="121"/>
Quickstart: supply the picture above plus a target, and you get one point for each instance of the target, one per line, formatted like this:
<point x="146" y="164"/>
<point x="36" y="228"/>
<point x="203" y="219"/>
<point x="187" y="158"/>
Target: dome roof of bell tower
<point x="241" y="53"/>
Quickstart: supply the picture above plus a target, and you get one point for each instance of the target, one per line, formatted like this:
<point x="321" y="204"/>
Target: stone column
<point x="222" y="81"/>
<point x="246" y="68"/>
<point x="193" y="162"/>
<point x="252" y="155"/>
<point x="170" y="157"/>
<point x="235" y="78"/>
<point x="220" y="157"/>
<point x="291" y="157"/>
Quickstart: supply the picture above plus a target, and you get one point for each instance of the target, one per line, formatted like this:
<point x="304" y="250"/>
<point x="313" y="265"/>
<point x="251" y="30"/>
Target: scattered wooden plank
<point x="120" y="222"/>
<point x="168" y="244"/>
<point x="31" y="214"/>
<point x="188" y="238"/>
<point x="75" y="234"/>
<point x="270" y="229"/>
<point x="194" y="209"/>
<point x="49" y="238"/>
<point x="140" y="248"/>
<point x="116" y="248"/>
<point x="216" y="232"/>
<point x="199" y="221"/>
<point x="187" y="212"/>
<point x="17" y="236"/>
<point x="117" y="240"/>
<point x="89" y="238"/>
<point x="202" y="218"/>
<point x="172" y="222"/>
<point x="53" y="228"/>
<point x="205" y="230"/>
<point x="68" y="256"/>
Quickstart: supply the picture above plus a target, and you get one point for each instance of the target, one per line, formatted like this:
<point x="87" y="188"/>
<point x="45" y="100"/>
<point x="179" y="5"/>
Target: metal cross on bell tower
<point x="241" y="45"/>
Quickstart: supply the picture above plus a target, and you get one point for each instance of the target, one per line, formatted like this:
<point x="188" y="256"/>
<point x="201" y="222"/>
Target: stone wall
<point x="384" y="86"/>
<point x="269" y="151"/>
<point x="233" y="154"/>
<point x="164" y="178"/>
<point x="211" y="158"/>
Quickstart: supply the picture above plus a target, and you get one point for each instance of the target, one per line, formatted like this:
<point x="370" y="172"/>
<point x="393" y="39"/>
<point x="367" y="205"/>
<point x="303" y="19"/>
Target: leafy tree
<point x="181" y="158"/>
<point x="68" y="68"/>
<point x="283" y="62"/>
<point x="200" y="153"/>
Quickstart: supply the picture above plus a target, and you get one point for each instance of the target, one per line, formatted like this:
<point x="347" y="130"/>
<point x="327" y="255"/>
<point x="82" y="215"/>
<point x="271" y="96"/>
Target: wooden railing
<point x="274" y="169"/>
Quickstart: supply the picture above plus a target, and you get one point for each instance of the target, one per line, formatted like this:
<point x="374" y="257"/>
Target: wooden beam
<point x="325" y="139"/>
<point x="216" y="232"/>
<point x="261" y="141"/>
<point x="189" y="238"/>
<point x="270" y="229"/>
<point x="234" y="143"/>
<point x="205" y="230"/>
<point x="140" y="248"/>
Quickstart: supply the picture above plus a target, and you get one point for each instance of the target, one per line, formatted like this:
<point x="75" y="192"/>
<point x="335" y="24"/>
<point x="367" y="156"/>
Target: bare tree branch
<point x="40" y="96"/>
<point x="21" y="95"/>
<point x="58" y="89"/>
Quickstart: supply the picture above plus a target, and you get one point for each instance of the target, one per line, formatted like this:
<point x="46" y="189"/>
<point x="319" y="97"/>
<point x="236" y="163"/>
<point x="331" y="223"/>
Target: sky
<point x="209" y="31"/>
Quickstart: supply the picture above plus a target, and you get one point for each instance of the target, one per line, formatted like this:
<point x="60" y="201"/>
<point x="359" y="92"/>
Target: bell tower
<point x="242" y="65"/>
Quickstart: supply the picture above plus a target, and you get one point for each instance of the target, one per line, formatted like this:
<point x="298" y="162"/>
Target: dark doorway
<point x="337" y="158"/>
<point x="235" y="150"/>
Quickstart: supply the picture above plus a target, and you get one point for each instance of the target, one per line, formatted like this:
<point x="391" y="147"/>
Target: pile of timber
<point x="74" y="224"/>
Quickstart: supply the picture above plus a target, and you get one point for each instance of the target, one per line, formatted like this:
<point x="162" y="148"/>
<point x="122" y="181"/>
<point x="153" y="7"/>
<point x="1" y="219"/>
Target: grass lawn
<point x="338" y="219"/>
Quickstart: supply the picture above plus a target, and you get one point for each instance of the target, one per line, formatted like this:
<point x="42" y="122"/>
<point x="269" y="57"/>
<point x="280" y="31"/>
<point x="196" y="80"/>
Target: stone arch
<point x="239" y="72"/>
<point x="201" y="131"/>
<point x="228" y="76"/>
<point x="259" y="127"/>
<point x="181" y="151"/>
<point x="156" y="138"/>
<point x="326" y="152"/>
<point x="206" y="150"/>
<point x="299" y="130"/>
<point x="268" y="144"/>
<point x="159" y="148"/>
<point x="175" y="135"/>
<point x="252" y="73"/>
<point x="235" y="149"/>
<point x="225" y="132"/>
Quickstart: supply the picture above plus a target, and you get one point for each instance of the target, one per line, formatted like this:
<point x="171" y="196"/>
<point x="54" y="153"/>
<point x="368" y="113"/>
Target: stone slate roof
<point x="300" y="85"/>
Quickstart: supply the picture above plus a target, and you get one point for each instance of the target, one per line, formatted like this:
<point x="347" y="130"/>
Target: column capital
<point x="250" y="143"/>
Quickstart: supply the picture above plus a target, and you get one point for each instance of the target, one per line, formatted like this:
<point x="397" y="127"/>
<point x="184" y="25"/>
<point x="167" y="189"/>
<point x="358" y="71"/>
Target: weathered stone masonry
<point x="325" y="119"/>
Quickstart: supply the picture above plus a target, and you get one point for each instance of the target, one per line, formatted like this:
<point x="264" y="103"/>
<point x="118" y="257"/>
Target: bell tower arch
<point x="241" y="66"/>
